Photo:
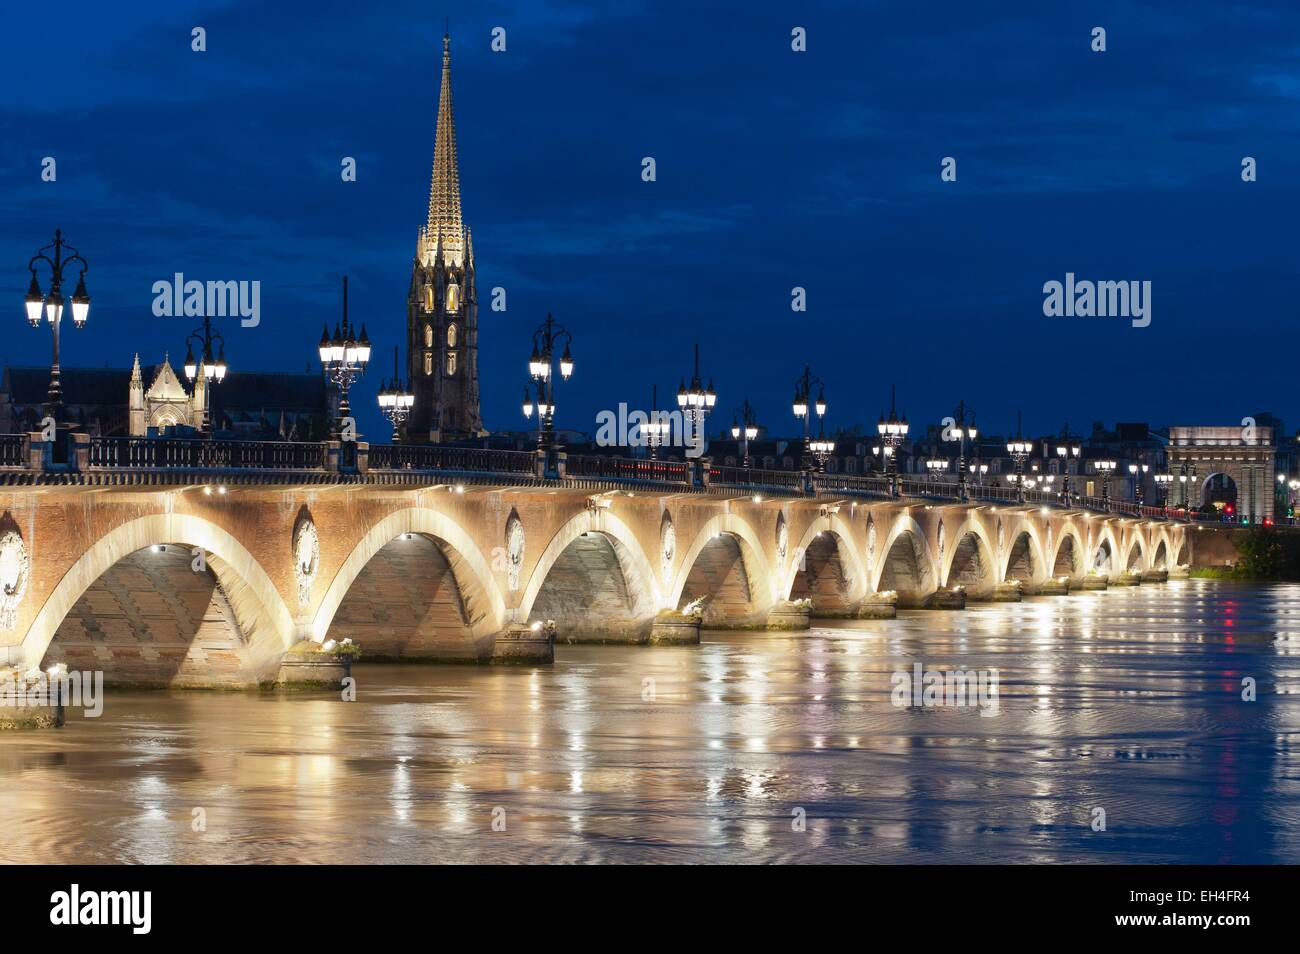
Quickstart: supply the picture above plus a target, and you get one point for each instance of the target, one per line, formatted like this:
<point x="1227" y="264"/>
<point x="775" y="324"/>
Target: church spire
<point x="444" y="190"/>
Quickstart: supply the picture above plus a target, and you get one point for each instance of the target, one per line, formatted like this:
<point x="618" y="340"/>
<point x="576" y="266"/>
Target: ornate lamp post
<point x="979" y="472"/>
<point x="964" y="432"/>
<point x="821" y="448"/>
<point x="656" y="428"/>
<point x="51" y="305"/>
<point x="1019" y="449"/>
<point x="1138" y="472"/>
<point x="935" y="466"/>
<point x="546" y="338"/>
<point x="697" y="401"/>
<point x="1162" y="489"/>
<point x="1067" y="449"/>
<point x="1107" y="467"/>
<point x="212" y="371"/>
<point x="892" y="434"/>
<point x="802" y="392"/>
<point x="395" y="401"/>
<point x="744" y="431"/>
<point x="344" y="358"/>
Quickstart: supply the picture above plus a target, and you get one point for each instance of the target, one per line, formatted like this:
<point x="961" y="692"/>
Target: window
<point x="428" y="363"/>
<point x="451" y="336"/>
<point x="428" y="296"/>
<point x="428" y="336"/>
<point x="451" y="363"/>
<point x="831" y="466"/>
<point x="851" y="465"/>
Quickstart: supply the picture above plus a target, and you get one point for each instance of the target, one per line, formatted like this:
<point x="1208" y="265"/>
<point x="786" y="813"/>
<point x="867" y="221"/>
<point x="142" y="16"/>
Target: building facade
<point x="442" y="304"/>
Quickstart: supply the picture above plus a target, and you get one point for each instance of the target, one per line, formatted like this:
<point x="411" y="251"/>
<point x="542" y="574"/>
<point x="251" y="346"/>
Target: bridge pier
<point x="307" y="666"/>
<point x="952" y="598"/>
<point x="1093" y="581"/>
<point x="878" y="606"/>
<point x="790" y="615"/>
<point x="675" y="629"/>
<point x="1055" y="586"/>
<point x="525" y="645"/>
<point x="1127" y="578"/>
<point x="1009" y="592"/>
<point x="1155" y="576"/>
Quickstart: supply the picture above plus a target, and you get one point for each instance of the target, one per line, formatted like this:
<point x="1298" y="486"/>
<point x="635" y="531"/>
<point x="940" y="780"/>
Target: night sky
<point x="775" y="169"/>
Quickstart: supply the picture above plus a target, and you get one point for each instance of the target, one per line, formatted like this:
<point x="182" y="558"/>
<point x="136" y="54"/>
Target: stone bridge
<point x="176" y="577"/>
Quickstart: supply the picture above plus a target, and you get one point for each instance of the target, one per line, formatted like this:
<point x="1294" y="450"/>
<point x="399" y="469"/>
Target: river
<point x="752" y="747"/>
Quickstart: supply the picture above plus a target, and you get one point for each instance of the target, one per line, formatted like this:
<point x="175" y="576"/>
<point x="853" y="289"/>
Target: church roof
<point x="110" y="386"/>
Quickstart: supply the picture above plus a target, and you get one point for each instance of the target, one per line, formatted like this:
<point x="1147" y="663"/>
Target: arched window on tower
<point x="451" y="363"/>
<point x="428" y="336"/>
<point x="451" y="336"/>
<point x="428" y="296"/>
<point x="428" y="363"/>
<point x="453" y="298"/>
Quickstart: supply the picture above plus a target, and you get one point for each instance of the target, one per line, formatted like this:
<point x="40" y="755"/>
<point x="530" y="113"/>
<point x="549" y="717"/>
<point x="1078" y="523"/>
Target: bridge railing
<point x="15" y="451"/>
<point x="628" y="468"/>
<point x="756" y="478"/>
<point x="158" y="453"/>
<point x="435" y="457"/>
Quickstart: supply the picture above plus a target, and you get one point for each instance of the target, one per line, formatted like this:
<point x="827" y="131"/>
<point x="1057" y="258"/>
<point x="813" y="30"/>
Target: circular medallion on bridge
<point x="15" y="570"/>
<point x="306" y="558"/>
<point x="782" y="538"/>
<point x="667" y="547"/>
<point x="514" y="550"/>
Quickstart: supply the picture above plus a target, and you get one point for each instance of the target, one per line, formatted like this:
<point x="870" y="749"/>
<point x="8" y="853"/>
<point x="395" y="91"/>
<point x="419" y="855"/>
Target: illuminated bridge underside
<point x="417" y="570"/>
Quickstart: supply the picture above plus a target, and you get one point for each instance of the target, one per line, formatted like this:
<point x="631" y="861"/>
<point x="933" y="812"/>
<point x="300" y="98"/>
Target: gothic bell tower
<point x="442" y="306"/>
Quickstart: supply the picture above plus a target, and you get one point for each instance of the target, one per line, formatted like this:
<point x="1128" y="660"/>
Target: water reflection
<point x="1128" y="700"/>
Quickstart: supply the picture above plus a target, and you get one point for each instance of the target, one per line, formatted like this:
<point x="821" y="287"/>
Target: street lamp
<point x="963" y="432"/>
<point x="821" y="448"/>
<point x="344" y="357"/>
<point x="935" y="466"/>
<point x="1019" y="449"/>
<point x="212" y="371"/>
<point x="1067" y="449"/>
<point x="656" y="427"/>
<point x="395" y="401"/>
<point x="1138" y="472"/>
<point x="541" y="376"/>
<point x="1187" y="477"/>
<point x="744" y="430"/>
<point x="802" y="392"/>
<point x="1107" y="467"/>
<point x="697" y="401"/>
<point x="52" y="305"/>
<point x="892" y="434"/>
<point x="1162" y="489"/>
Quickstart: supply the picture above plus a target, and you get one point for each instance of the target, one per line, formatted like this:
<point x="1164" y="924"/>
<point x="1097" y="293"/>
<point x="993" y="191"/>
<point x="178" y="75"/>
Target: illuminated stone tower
<point x="442" y="308"/>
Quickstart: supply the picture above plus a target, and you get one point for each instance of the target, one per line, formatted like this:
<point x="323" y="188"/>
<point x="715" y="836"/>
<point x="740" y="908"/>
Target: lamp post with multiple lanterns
<point x="541" y="377"/>
<point x="697" y="401"/>
<point x="656" y="426"/>
<point x="1107" y="467"/>
<point x="211" y="371"/>
<point x="1138" y="472"/>
<point x="892" y="431"/>
<point x="1067" y="449"/>
<point x="1162" y="489"/>
<point x="1019" y="449"/>
<point x="344" y="357"/>
<point x="744" y="429"/>
<point x="803" y="386"/>
<point x="964" y="432"/>
<point x="395" y="401"/>
<point x="1187" y="477"/>
<point x="50" y="306"/>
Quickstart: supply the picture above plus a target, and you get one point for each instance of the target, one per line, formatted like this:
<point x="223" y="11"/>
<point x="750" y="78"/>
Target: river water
<point x="1129" y="701"/>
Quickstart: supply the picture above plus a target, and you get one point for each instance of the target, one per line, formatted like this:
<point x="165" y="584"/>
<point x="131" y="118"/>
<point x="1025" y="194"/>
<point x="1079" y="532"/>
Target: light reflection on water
<point x="1127" y="700"/>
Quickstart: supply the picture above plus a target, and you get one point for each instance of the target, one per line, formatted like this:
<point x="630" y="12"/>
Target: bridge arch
<point x="1070" y="558"/>
<point x="1024" y="560"/>
<point x="739" y="563"/>
<point x="254" y="602"/>
<point x="1135" y="560"/>
<point x="905" y="564"/>
<point x="457" y="563"/>
<point x="1160" y="559"/>
<point x="595" y="581"/>
<point x="971" y="562"/>
<point x="826" y="568"/>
